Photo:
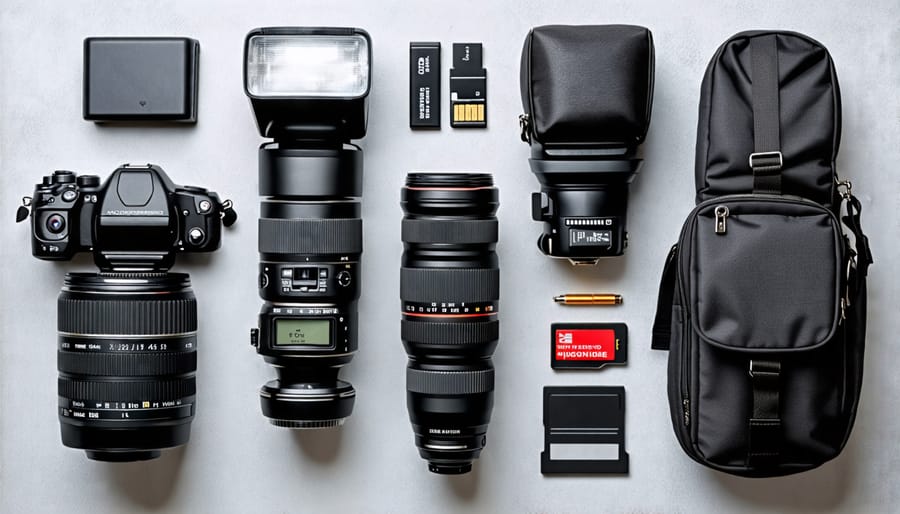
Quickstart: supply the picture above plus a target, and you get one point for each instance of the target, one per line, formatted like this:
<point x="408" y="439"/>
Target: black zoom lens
<point x="449" y="289"/>
<point x="127" y="358"/>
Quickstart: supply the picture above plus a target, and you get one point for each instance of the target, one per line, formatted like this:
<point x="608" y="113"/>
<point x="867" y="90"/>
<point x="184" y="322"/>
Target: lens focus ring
<point x="126" y="391"/>
<point x="426" y="231"/>
<point x="127" y="364"/>
<point x="310" y="236"/>
<point x="452" y="284"/>
<point x="452" y="334"/>
<point x="102" y="316"/>
<point x="449" y="382"/>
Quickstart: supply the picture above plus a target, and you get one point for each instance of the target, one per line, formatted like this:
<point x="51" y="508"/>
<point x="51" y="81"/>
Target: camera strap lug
<point x="23" y="211"/>
<point x="228" y="215"/>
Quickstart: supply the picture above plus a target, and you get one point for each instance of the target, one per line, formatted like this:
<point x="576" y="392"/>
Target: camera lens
<point x="56" y="223"/>
<point x="127" y="358"/>
<point x="310" y="241"/>
<point x="449" y="289"/>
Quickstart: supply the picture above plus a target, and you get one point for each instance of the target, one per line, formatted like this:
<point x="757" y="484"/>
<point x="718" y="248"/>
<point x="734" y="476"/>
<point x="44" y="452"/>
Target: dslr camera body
<point x="127" y="336"/>
<point x="587" y="93"/>
<point x="138" y="219"/>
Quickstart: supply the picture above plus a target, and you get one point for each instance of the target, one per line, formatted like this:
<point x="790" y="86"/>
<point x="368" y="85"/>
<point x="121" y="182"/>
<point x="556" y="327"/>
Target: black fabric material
<point x="766" y="160"/>
<point x="774" y="278"/>
<point x="778" y="261"/>
<point x="662" y="323"/>
<point x="764" y="441"/>
<point x="809" y="106"/>
<point x="588" y="83"/>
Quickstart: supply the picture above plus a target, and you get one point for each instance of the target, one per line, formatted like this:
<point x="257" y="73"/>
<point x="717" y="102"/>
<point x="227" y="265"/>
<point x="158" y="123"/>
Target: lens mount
<point x="307" y="405"/>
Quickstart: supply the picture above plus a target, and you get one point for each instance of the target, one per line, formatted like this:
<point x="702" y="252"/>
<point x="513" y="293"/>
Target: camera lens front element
<point x="56" y="223"/>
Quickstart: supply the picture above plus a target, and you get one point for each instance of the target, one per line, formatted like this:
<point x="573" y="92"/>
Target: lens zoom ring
<point x="450" y="334"/>
<point x="449" y="382"/>
<point x="310" y="236"/>
<point x="448" y="284"/>
<point x="449" y="231"/>
<point x="127" y="317"/>
<point x="127" y="364"/>
<point x="127" y="391"/>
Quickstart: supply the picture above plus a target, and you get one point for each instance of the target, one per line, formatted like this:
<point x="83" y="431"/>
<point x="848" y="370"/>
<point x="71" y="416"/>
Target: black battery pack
<point x="141" y="79"/>
<point x="425" y="85"/>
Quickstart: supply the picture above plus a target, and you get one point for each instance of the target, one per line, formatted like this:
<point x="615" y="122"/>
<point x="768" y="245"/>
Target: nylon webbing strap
<point x="766" y="160"/>
<point x="765" y="422"/>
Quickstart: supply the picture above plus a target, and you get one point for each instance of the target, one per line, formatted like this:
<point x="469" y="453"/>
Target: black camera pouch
<point x="588" y="84"/>
<point x="587" y="92"/>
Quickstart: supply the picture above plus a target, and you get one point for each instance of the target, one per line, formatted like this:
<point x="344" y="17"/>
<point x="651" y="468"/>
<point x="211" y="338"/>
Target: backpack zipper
<point x="525" y="127"/>
<point x="721" y="213"/>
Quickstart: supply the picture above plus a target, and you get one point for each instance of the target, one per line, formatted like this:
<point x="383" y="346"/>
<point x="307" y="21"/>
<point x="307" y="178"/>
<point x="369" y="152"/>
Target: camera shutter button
<point x="69" y="195"/>
<point x="205" y="206"/>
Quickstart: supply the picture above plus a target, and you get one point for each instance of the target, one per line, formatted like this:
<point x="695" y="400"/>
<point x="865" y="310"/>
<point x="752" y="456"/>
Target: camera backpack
<point x="762" y="301"/>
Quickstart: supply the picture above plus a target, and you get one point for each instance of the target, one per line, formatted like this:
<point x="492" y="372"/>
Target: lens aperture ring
<point x="127" y="364"/>
<point x="310" y="236"/>
<point x="436" y="382"/>
<point x="452" y="284"/>
<point x="445" y="231"/>
<point x="126" y="390"/>
<point x="449" y="334"/>
<point x="105" y="316"/>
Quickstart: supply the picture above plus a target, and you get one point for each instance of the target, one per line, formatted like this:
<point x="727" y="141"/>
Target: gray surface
<point x="235" y="461"/>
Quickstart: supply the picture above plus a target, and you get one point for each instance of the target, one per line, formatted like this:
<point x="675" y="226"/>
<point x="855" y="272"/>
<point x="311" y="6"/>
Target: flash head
<point x="308" y="83"/>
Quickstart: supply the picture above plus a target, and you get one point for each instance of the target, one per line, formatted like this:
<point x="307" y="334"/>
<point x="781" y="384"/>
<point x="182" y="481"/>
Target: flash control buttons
<point x="343" y="278"/>
<point x="196" y="235"/>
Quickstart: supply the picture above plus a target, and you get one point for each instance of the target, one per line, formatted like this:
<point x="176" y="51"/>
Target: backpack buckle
<point x="764" y="368"/>
<point x="766" y="161"/>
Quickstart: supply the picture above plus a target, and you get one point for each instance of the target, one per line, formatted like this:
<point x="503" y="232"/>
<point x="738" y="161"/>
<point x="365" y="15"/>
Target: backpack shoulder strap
<point x="766" y="160"/>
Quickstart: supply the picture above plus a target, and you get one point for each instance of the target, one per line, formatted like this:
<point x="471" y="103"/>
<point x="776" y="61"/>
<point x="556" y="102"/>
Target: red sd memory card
<point x="588" y="345"/>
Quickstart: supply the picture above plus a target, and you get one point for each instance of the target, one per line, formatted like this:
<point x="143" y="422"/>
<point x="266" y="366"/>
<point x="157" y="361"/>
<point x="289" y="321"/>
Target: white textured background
<point x="237" y="462"/>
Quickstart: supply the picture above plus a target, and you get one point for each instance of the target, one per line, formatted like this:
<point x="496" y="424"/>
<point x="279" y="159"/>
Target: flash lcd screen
<point x="309" y="332"/>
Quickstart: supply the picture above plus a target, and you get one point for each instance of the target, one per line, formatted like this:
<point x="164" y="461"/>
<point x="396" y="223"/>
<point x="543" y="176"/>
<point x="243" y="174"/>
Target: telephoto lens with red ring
<point x="449" y="291"/>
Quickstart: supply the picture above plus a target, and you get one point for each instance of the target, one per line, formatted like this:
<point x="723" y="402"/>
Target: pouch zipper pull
<point x="686" y="411"/>
<point x="721" y="216"/>
<point x="525" y="127"/>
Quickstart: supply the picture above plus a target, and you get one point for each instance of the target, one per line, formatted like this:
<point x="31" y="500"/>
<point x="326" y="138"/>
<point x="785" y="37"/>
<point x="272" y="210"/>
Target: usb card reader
<point x="468" y="87"/>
